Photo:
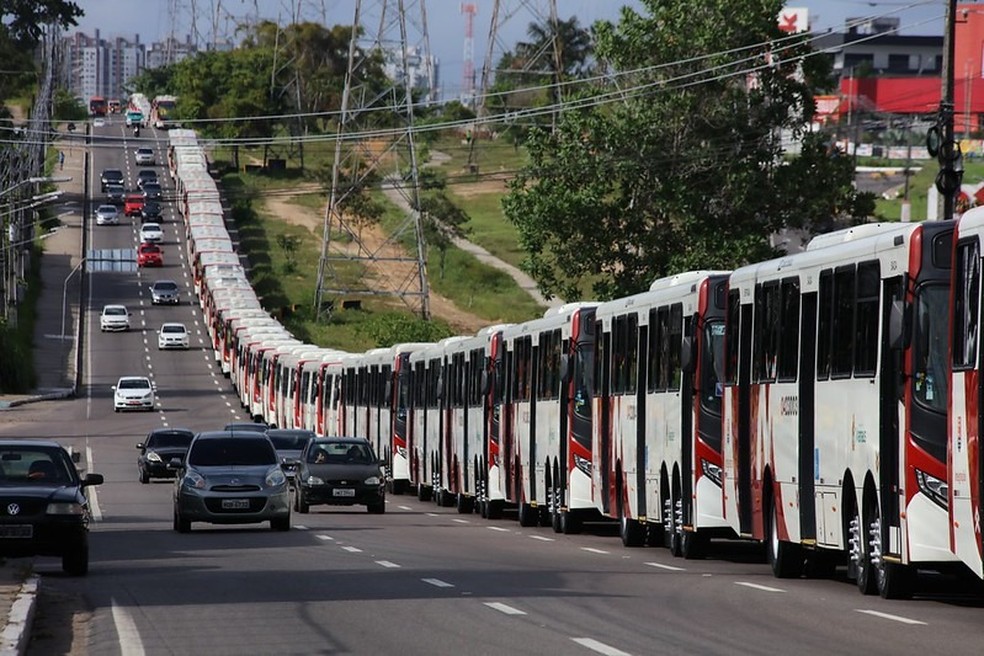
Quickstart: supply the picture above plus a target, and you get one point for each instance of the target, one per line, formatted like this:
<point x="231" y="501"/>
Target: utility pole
<point x="951" y="164"/>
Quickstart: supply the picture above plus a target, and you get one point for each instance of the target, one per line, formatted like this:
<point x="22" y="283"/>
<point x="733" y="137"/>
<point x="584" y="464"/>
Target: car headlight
<point x="64" y="508"/>
<point x="275" y="478"/>
<point x="194" y="479"/>
<point x="314" y="480"/>
<point x="582" y="464"/>
<point x="153" y="456"/>
<point x="937" y="490"/>
<point x="372" y="480"/>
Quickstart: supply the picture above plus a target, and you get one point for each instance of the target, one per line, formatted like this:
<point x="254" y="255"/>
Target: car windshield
<point x="110" y="209"/>
<point x="150" y="227"/>
<point x="231" y="451"/>
<point x="20" y="465"/>
<point x="111" y="174"/>
<point x="115" y="311"/>
<point x="165" y="286"/>
<point x="149" y="248"/>
<point x="169" y="440"/>
<point x="173" y="328"/>
<point x="134" y="383"/>
<point x="294" y="442"/>
<point x="340" y="453"/>
<point x="144" y="151"/>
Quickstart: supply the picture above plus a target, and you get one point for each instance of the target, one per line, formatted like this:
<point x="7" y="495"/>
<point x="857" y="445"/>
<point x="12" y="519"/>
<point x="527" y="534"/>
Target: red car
<point x="133" y="204"/>
<point x="149" y="255"/>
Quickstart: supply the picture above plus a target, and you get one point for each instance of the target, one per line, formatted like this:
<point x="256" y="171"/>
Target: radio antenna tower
<point x="469" y="9"/>
<point x="375" y="147"/>
<point x="540" y="12"/>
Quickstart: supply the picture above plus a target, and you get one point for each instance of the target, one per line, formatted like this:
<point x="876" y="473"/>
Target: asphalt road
<point x="417" y="580"/>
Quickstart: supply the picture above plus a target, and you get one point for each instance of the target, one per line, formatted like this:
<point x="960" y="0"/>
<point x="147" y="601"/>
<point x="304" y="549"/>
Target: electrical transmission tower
<point x="375" y="146"/>
<point x="539" y="12"/>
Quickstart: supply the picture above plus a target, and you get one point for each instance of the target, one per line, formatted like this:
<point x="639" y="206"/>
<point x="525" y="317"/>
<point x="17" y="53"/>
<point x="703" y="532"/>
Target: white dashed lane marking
<point x="756" y="586"/>
<point x="504" y="608"/>
<point x="593" y="550"/>
<point x="352" y="549"/>
<point x="438" y="583"/>
<point x="599" y="647"/>
<point x="667" y="567"/>
<point x="894" y="618"/>
<point x="498" y="528"/>
<point x="386" y="563"/>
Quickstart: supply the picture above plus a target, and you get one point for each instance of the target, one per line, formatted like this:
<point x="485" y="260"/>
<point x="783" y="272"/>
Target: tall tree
<point x="687" y="169"/>
<point x="25" y="20"/>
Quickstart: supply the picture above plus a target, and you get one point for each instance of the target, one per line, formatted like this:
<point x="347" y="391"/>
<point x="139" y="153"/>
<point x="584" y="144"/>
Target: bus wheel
<point x="423" y="492"/>
<point x="894" y="580"/>
<point x="527" y="515"/>
<point x="400" y="487"/>
<point x="630" y="530"/>
<point x="785" y="558"/>
<point x="655" y="534"/>
<point x="445" y="499"/>
<point x="692" y="544"/>
<point x="494" y="509"/>
<point x="464" y="504"/>
<point x="860" y="554"/>
<point x="555" y="513"/>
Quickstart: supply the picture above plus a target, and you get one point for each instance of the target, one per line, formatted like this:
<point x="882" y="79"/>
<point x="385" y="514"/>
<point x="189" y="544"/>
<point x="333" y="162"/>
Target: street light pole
<point x="65" y="295"/>
<point x="948" y="148"/>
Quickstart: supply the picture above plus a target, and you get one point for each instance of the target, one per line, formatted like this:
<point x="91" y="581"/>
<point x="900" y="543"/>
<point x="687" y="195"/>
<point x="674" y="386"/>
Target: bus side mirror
<point x="899" y="322"/>
<point x="565" y="368"/>
<point x="486" y="382"/>
<point x="687" y="354"/>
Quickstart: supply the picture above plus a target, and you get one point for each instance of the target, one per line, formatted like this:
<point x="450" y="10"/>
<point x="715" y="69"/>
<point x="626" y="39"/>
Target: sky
<point x="446" y="24"/>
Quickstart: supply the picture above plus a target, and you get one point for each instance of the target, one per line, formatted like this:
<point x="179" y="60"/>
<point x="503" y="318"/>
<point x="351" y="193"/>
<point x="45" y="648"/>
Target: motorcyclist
<point x="136" y="130"/>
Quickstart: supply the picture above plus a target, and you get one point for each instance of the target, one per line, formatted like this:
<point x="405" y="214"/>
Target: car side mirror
<point x="140" y="445"/>
<point x="113" y="388"/>
<point x="174" y="464"/>
<point x="92" y="479"/>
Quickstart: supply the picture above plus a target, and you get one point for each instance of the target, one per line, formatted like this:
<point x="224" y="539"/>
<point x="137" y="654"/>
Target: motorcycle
<point x="136" y="130"/>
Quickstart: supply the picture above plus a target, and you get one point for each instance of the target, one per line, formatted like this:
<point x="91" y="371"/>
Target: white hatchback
<point x="172" y="335"/>
<point x="151" y="233"/>
<point x="133" y="393"/>
<point x="114" y="317"/>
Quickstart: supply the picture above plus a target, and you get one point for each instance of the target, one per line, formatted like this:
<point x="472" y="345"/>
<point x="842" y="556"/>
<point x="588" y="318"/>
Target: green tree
<point x="25" y="20"/>
<point x="687" y="169"/>
<point x="442" y="222"/>
<point x="66" y="107"/>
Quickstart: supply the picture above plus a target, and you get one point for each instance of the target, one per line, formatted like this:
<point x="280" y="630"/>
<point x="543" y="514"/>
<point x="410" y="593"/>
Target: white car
<point x="133" y="393"/>
<point x="144" y="157"/>
<point x="98" y="122"/>
<point x="172" y="335"/>
<point x="107" y="215"/>
<point x="151" y="233"/>
<point x="114" y="317"/>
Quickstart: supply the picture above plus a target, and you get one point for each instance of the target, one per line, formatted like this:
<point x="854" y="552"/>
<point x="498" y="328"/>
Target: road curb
<point x="50" y="396"/>
<point x="16" y="635"/>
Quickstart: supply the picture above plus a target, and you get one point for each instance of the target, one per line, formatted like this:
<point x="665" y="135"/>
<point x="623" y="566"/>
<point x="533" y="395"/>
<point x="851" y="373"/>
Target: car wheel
<point x="302" y="505"/>
<point x="76" y="561"/>
<point x="116" y="409"/>
<point x="144" y="476"/>
<point x="181" y="525"/>
<point x="378" y="508"/>
<point x="280" y="523"/>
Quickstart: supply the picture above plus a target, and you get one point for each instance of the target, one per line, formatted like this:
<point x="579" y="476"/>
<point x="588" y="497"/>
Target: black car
<point x="115" y="194"/>
<point x="151" y="211"/>
<point x="146" y="176"/>
<point x="159" y="448"/>
<point x="245" y="426"/>
<point x="111" y="176"/>
<point x="43" y="506"/>
<point x="152" y="191"/>
<point x="340" y="471"/>
<point x="289" y="442"/>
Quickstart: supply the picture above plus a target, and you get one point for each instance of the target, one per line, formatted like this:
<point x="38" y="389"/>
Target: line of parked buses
<point x="826" y="404"/>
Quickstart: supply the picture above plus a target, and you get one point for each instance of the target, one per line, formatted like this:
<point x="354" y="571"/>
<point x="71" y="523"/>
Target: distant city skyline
<point x="446" y="28"/>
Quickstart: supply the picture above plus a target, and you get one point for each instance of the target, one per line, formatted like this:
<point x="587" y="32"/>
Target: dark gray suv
<point x="230" y="478"/>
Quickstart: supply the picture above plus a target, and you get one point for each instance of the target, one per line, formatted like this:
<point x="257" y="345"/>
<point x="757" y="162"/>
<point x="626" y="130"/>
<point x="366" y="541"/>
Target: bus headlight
<point x="583" y="464"/>
<point x="937" y="490"/>
<point x="712" y="471"/>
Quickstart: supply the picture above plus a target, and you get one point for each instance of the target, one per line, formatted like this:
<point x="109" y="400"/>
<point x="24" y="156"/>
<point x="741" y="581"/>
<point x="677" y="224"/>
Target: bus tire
<point x="528" y="515"/>
<point x="494" y="509"/>
<point x="785" y="558"/>
<point x="423" y="492"/>
<point x="860" y="553"/>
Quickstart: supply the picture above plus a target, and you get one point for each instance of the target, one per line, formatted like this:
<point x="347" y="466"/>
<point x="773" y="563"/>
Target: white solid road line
<point x="671" y="568"/>
<point x="756" y="586"/>
<point x="93" y="497"/>
<point x="504" y="608"/>
<point x="887" y="616"/>
<point x="438" y="583"/>
<point x="599" y="647"/>
<point x="386" y="563"/>
<point x="126" y="630"/>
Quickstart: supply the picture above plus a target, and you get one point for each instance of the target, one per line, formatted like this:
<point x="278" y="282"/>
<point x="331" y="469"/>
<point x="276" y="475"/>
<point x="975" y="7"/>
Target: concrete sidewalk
<point x="55" y="348"/>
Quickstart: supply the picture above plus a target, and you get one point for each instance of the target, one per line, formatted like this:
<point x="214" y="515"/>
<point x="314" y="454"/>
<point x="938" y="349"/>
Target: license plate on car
<point x="343" y="492"/>
<point x="235" y="504"/>
<point x="17" y="531"/>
